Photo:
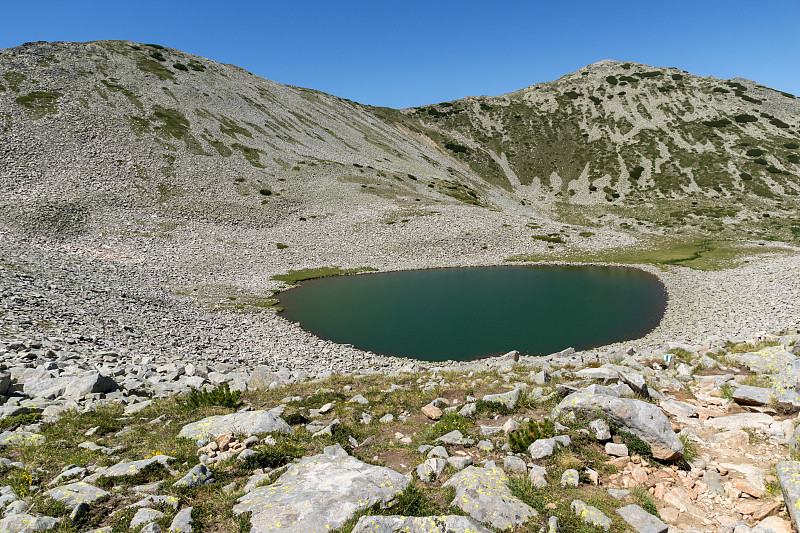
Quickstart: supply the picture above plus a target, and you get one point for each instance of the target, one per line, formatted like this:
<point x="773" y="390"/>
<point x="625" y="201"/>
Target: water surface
<point x="464" y="313"/>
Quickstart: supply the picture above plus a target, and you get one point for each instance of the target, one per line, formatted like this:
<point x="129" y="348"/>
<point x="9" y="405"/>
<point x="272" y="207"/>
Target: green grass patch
<point x="549" y="238"/>
<point x="38" y="104"/>
<point x="531" y="431"/>
<point x="220" y="396"/>
<point x="293" y="277"/>
<point x="698" y="254"/>
<point x="449" y="422"/>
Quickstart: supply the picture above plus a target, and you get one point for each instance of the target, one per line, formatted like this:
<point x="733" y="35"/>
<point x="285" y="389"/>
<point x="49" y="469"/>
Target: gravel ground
<point x="111" y="292"/>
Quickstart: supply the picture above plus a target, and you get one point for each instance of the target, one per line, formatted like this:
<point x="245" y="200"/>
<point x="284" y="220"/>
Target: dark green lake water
<point x="465" y="313"/>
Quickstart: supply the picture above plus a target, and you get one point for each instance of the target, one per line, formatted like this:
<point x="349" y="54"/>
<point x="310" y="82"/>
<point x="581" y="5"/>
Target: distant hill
<point x="89" y="130"/>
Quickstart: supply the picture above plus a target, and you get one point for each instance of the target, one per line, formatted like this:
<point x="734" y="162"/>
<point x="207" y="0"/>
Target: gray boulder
<point x="74" y="494"/>
<point x="129" y="468"/>
<point x="483" y="493"/>
<point x="591" y="515"/>
<point x="199" y="475"/>
<point x="455" y="437"/>
<point x="770" y="360"/>
<point x="641" y="520"/>
<point x="748" y="395"/>
<point x="570" y="478"/>
<point x="509" y="399"/>
<point x="320" y="493"/>
<point x="431" y="469"/>
<point x="20" y="438"/>
<point x="740" y="421"/>
<point x="89" y="383"/>
<point x="182" y="523"/>
<point x="144" y="516"/>
<point x="541" y="448"/>
<point x="426" y="524"/>
<point x="241" y="423"/>
<point x="600" y="429"/>
<point x="789" y="479"/>
<point x="643" y="419"/>
<point x="514" y="465"/>
<point x="25" y="523"/>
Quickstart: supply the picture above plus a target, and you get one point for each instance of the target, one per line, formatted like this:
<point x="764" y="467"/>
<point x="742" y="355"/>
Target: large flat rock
<point x="320" y="493"/>
<point x="770" y="360"/>
<point x="643" y="419"/>
<point x="129" y="468"/>
<point x="642" y="521"/>
<point x="749" y="395"/>
<point x="483" y="493"/>
<point x="740" y="421"/>
<point x="74" y="494"/>
<point x="421" y="524"/>
<point x="242" y="423"/>
<point x="789" y="479"/>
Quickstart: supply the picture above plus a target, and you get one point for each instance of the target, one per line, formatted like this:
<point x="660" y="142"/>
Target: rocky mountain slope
<point x="92" y="131"/>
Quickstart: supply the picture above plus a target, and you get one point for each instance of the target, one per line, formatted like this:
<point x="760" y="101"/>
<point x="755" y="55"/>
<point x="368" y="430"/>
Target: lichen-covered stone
<point x="643" y="419"/>
<point x="591" y="515"/>
<point x="74" y="494"/>
<point x="129" y="468"/>
<point x="423" y="524"/>
<point x="570" y="478"/>
<point x="483" y="493"/>
<point x="509" y="399"/>
<point x="320" y="493"/>
<point x="789" y="479"/>
<point x="241" y="423"/>
<point x="25" y="523"/>
<point x="144" y="516"/>
<point x="770" y="360"/>
<point x="21" y="438"/>
<point x="641" y="520"/>
<point x="199" y="475"/>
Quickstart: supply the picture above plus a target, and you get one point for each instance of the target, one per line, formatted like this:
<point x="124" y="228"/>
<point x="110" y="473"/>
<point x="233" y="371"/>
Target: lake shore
<point x="83" y="281"/>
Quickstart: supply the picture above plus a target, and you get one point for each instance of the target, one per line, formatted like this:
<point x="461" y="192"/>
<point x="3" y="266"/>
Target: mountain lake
<point x="468" y="313"/>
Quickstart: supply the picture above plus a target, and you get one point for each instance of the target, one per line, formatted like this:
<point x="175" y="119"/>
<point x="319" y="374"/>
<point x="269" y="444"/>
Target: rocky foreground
<point x="684" y="438"/>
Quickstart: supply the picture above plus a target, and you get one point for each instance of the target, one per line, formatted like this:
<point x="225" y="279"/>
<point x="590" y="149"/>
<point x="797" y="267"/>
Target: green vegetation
<point x="744" y="118"/>
<point x="58" y="218"/>
<point x="281" y="246"/>
<point x="457" y="148"/>
<point x="172" y="124"/>
<point x="180" y="66"/>
<point x="39" y="104"/>
<point x="154" y="67"/>
<point x="251" y="154"/>
<point x="702" y="254"/>
<point x="293" y="277"/>
<point x="220" y="396"/>
<point x="549" y="238"/>
<point x="635" y="444"/>
<point x="533" y="430"/>
<point x="14" y="80"/>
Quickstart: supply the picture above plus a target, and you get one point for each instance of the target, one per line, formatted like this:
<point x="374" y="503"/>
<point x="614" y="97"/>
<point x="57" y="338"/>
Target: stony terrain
<point x="681" y="438"/>
<point x="151" y="200"/>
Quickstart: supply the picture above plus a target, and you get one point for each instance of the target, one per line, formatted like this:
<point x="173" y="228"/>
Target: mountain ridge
<point x="199" y="139"/>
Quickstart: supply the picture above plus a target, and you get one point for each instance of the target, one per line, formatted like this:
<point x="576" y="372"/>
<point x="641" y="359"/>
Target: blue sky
<point x="400" y="54"/>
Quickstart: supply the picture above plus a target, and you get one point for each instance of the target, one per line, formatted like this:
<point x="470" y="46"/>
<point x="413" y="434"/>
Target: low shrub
<point x="634" y="443"/>
<point x="754" y="152"/>
<point x="533" y="430"/>
<point x="220" y="396"/>
<point x="744" y="118"/>
<point x="483" y="407"/>
<point x="180" y="66"/>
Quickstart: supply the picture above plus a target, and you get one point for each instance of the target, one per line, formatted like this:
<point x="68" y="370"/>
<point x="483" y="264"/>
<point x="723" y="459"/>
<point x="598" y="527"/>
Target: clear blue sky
<point x="405" y="53"/>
